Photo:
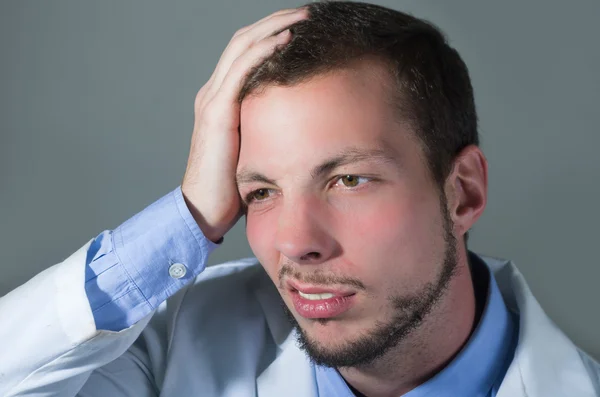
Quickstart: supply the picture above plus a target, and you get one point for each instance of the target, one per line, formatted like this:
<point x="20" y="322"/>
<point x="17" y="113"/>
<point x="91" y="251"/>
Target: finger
<point x="228" y="92"/>
<point x="268" y="17"/>
<point x="241" y="31"/>
<point x="272" y="25"/>
<point x="243" y="42"/>
<point x="201" y="98"/>
<point x="229" y="54"/>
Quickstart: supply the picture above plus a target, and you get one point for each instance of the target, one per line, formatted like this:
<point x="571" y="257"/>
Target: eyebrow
<point x="347" y="156"/>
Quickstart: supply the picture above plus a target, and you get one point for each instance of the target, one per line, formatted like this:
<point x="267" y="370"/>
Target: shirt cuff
<point x="144" y="261"/>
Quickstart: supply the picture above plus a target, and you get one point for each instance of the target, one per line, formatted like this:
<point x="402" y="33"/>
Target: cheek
<point x="393" y="240"/>
<point x="388" y="242"/>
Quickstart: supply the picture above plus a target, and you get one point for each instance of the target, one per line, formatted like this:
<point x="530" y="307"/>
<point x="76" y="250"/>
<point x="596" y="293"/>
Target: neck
<point x="429" y="348"/>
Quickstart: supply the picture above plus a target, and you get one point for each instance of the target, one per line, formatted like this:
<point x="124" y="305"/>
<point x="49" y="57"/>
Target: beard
<point x="409" y="314"/>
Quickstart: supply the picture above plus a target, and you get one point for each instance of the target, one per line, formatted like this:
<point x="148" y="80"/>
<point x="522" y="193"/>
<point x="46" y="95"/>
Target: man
<point x="345" y="134"/>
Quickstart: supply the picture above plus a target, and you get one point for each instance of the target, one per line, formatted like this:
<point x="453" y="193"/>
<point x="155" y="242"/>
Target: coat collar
<point x="546" y="362"/>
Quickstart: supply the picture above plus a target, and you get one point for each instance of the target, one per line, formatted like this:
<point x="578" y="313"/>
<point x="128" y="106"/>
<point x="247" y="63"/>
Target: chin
<point x="327" y="332"/>
<point x="328" y="342"/>
<point x="328" y="348"/>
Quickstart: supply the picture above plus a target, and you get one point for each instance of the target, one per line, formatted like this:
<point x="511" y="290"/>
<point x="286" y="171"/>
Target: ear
<point x="466" y="188"/>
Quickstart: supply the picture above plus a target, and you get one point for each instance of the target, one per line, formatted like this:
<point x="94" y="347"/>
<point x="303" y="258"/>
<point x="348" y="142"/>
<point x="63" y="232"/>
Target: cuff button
<point x="177" y="270"/>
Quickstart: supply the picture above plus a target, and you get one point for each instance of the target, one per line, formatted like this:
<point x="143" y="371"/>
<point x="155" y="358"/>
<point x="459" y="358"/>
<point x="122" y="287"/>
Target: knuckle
<point x="241" y="31"/>
<point x="199" y="105"/>
<point x="238" y="44"/>
<point x="211" y="115"/>
<point x="238" y="65"/>
<point x="235" y="66"/>
<point x="201" y="97"/>
<point x="202" y="92"/>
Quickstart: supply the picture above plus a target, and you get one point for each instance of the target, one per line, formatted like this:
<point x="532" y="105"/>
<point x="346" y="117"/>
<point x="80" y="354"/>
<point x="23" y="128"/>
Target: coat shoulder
<point x="245" y="273"/>
<point x="593" y="368"/>
<point x="227" y="286"/>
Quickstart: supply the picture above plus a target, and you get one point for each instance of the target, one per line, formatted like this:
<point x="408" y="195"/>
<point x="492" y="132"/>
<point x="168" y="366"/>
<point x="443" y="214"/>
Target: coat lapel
<point x="546" y="362"/>
<point x="291" y="373"/>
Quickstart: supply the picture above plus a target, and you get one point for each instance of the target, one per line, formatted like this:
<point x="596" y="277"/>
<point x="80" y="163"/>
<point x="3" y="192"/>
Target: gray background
<point x="96" y="115"/>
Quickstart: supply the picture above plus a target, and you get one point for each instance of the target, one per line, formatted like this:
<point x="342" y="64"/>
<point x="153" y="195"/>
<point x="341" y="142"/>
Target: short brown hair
<point x="431" y="79"/>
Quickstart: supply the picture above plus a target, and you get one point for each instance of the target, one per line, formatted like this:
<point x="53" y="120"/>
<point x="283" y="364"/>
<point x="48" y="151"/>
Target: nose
<point x="304" y="235"/>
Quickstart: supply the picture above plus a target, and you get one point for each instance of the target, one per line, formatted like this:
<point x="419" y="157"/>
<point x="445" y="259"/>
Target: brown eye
<point x="349" y="180"/>
<point x="259" y="194"/>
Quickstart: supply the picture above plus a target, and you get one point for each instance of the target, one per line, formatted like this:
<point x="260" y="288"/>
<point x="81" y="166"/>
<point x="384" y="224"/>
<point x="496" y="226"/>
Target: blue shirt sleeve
<point x="132" y="269"/>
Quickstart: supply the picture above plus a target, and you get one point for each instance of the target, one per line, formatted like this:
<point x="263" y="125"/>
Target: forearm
<point x="85" y="312"/>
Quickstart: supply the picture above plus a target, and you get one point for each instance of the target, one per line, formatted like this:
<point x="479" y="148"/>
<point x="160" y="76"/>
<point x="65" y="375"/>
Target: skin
<point x="387" y="232"/>
<point x="208" y="185"/>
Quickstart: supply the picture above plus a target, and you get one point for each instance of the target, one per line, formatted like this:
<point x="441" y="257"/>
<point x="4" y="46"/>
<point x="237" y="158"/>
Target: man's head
<point x="358" y="152"/>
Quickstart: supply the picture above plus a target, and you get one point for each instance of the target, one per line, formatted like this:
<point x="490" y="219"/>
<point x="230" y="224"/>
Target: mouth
<point x="315" y="302"/>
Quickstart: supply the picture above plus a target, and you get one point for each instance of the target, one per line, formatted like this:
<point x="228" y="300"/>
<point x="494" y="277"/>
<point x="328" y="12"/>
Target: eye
<point x="258" y="195"/>
<point x="352" y="180"/>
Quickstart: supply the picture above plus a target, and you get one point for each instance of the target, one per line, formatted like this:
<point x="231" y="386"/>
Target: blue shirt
<point x="144" y="261"/>
<point x="147" y="259"/>
<point x="477" y="370"/>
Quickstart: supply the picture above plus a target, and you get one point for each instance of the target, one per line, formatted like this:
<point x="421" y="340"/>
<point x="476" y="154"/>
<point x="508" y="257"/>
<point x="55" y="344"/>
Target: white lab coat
<point x="224" y="335"/>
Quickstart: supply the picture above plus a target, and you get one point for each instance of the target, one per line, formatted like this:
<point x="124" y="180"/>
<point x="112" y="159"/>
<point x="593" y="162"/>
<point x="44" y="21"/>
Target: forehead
<point x="299" y="125"/>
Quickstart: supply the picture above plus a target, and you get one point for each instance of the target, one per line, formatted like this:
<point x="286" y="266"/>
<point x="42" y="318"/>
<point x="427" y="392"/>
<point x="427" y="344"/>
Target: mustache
<point x="317" y="277"/>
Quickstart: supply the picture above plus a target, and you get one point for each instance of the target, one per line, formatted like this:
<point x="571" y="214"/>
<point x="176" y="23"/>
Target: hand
<point x="208" y="185"/>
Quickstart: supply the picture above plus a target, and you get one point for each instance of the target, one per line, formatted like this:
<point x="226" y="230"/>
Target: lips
<point x="309" y="289"/>
<point x="320" y="302"/>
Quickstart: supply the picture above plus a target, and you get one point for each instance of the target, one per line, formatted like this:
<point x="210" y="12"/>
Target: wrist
<point x="211" y="232"/>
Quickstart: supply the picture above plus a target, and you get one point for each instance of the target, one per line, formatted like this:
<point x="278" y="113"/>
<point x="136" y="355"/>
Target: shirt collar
<point x="477" y="369"/>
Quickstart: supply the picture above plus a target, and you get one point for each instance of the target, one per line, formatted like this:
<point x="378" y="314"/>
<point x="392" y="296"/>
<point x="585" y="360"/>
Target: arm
<point x="87" y="311"/>
<point x="78" y="320"/>
<point x="143" y="262"/>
